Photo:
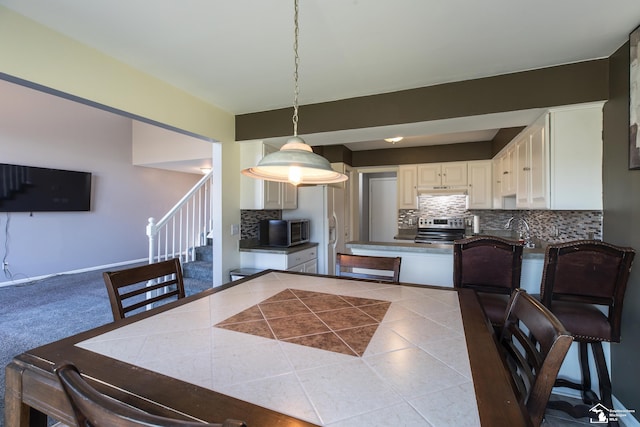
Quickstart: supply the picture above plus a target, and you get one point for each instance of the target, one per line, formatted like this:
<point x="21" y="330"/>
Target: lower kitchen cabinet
<point x="303" y="260"/>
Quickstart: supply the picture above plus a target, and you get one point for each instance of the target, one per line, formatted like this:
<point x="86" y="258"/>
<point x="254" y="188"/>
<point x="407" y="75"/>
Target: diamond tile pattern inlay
<point x="337" y="323"/>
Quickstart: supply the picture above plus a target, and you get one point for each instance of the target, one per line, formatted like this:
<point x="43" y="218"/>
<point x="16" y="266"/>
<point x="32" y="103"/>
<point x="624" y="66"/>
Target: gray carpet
<point x="39" y="312"/>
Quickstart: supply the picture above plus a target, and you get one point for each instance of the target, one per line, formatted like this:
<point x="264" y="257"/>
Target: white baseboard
<point x="82" y="270"/>
<point x="628" y="420"/>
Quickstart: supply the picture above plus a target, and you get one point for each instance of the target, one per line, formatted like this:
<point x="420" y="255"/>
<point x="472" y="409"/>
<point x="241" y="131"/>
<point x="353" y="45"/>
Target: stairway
<point x="201" y="268"/>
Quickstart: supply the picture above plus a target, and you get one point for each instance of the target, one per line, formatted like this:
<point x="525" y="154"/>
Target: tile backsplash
<point x="250" y="219"/>
<point x="551" y="226"/>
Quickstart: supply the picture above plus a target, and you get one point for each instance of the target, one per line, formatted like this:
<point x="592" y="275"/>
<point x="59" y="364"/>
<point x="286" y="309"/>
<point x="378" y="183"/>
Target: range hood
<point x="443" y="191"/>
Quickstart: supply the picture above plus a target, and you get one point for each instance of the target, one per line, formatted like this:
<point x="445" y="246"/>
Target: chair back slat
<point x="94" y="409"/>
<point x="384" y="269"/>
<point x="133" y="288"/>
<point x="535" y="344"/>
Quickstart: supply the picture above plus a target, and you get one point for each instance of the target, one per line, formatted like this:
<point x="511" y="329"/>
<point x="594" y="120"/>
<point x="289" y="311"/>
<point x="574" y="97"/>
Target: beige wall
<point x="36" y="54"/>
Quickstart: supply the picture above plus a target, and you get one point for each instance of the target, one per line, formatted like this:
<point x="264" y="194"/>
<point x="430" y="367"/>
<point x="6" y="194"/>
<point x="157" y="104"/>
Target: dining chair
<point x="94" y="409"/>
<point x="384" y="269"/>
<point x="583" y="284"/>
<point x="491" y="266"/>
<point x="132" y="289"/>
<point x="535" y="344"/>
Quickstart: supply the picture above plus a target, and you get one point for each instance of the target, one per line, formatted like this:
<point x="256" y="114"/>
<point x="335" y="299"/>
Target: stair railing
<point x="184" y="227"/>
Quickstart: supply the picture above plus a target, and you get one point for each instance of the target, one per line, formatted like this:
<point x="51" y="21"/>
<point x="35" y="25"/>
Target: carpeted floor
<point x="39" y="312"/>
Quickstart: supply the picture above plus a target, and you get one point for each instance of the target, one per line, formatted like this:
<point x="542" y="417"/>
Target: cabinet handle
<point x="526" y="169"/>
<point x="505" y="173"/>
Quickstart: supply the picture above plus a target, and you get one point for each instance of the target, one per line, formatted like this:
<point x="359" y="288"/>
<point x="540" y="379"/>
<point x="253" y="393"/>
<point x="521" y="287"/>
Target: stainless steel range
<point x="440" y="230"/>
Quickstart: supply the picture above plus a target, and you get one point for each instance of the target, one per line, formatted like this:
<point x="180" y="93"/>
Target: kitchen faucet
<point x="526" y="236"/>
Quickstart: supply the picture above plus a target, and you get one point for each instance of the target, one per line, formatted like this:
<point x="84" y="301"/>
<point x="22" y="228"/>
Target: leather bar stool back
<point x="492" y="267"/>
<point x="578" y="278"/>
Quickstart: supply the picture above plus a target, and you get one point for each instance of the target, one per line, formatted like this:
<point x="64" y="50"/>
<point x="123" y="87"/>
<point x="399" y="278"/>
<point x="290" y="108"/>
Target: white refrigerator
<point x="324" y="206"/>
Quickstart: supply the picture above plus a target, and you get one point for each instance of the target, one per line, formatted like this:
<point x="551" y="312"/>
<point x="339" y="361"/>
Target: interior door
<point x="383" y="222"/>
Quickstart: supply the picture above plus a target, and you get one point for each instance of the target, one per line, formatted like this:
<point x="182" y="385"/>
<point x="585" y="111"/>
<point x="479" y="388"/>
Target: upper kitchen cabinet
<point x="442" y="175"/>
<point x="259" y="194"/>
<point x="480" y="189"/>
<point x="576" y="157"/>
<point x="504" y="175"/>
<point x="532" y="159"/>
<point x="407" y="179"/>
<point x="559" y="153"/>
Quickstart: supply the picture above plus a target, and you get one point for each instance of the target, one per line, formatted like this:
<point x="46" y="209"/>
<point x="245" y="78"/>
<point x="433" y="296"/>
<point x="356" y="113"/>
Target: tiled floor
<point x="332" y="352"/>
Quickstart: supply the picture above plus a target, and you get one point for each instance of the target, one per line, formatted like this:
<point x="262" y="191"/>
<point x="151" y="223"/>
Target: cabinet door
<point x="523" y="171"/>
<point x="272" y="195"/>
<point x="454" y="174"/>
<point x="508" y="180"/>
<point x="575" y="153"/>
<point x="407" y="191"/>
<point x="497" y="182"/>
<point x="429" y="175"/>
<point x="311" y="266"/>
<point x="538" y="164"/>
<point x="479" y="173"/>
<point x="289" y="196"/>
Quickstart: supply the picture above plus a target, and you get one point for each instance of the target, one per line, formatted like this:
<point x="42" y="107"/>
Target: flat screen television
<point x="33" y="189"/>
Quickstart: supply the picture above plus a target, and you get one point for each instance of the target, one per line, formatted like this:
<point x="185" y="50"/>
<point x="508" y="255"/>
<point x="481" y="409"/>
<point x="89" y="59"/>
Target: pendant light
<point x="295" y="162"/>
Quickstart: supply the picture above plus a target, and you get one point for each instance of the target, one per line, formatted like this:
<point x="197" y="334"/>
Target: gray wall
<point x="621" y="188"/>
<point x="38" y="129"/>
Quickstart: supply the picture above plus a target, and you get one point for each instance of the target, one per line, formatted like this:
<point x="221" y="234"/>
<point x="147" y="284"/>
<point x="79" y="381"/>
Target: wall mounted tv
<point x="32" y="189"/>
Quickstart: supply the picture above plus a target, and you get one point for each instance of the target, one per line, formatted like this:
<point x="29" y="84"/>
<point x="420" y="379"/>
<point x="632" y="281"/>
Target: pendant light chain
<point x="296" y="90"/>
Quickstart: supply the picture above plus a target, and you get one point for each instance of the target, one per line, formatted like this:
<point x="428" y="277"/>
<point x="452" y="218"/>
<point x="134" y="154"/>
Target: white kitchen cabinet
<point x="559" y="153"/>
<point x="479" y="174"/>
<point x="428" y="176"/>
<point x="407" y="187"/>
<point x="305" y="260"/>
<point x="259" y="194"/>
<point x="442" y="175"/>
<point x="576" y="157"/>
<point x="532" y="167"/>
<point x="508" y="180"/>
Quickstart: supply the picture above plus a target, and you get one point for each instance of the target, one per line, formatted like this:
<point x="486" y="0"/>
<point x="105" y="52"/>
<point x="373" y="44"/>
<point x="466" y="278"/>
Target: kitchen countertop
<point x="406" y="245"/>
<point x="254" y="247"/>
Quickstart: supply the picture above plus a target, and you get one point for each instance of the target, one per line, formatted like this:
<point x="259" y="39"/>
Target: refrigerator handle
<point x="333" y="228"/>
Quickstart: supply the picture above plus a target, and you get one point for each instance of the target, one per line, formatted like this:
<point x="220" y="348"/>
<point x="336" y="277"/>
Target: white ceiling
<point x="238" y="54"/>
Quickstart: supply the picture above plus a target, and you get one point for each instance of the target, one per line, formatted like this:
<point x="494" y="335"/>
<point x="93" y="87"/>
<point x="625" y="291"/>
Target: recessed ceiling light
<point x="394" y="139"/>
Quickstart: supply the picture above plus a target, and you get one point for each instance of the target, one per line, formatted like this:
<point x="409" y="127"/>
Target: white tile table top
<point x="415" y="370"/>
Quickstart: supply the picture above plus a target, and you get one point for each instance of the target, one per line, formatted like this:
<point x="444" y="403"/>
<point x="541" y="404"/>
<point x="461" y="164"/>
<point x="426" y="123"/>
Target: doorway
<point x="378" y="207"/>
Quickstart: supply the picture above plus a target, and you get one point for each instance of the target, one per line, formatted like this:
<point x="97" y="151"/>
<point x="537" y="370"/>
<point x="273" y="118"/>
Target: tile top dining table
<point x="288" y="349"/>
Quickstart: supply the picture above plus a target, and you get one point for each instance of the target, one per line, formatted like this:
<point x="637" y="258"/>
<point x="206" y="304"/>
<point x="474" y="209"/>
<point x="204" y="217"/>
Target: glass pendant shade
<point x="296" y="163"/>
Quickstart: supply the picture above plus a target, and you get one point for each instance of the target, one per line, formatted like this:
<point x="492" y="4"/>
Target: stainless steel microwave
<point x="284" y="232"/>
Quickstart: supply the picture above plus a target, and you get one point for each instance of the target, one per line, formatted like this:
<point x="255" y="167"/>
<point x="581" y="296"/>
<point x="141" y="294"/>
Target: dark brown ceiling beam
<point x="547" y="87"/>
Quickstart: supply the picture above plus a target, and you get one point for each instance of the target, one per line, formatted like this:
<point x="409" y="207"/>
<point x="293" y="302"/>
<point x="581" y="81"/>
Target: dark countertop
<point x="404" y="245"/>
<point x="249" y="247"/>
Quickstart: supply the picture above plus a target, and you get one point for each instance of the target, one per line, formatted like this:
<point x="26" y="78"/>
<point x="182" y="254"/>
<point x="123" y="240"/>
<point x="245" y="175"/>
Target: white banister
<point x="184" y="227"/>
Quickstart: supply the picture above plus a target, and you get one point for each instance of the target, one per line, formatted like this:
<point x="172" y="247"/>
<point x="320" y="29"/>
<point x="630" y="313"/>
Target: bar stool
<point x="578" y="277"/>
<point x="492" y="267"/>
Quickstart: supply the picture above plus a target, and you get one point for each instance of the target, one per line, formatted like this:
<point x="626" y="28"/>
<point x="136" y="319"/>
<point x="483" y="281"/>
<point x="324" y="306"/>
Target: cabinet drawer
<point x="301" y="257"/>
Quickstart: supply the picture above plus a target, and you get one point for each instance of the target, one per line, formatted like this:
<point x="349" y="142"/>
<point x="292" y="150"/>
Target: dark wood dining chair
<point x="94" y="409"/>
<point x="384" y="269"/>
<point x="578" y="277"/>
<point x="132" y="289"/>
<point x="535" y="344"/>
<point x="491" y="266"/>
